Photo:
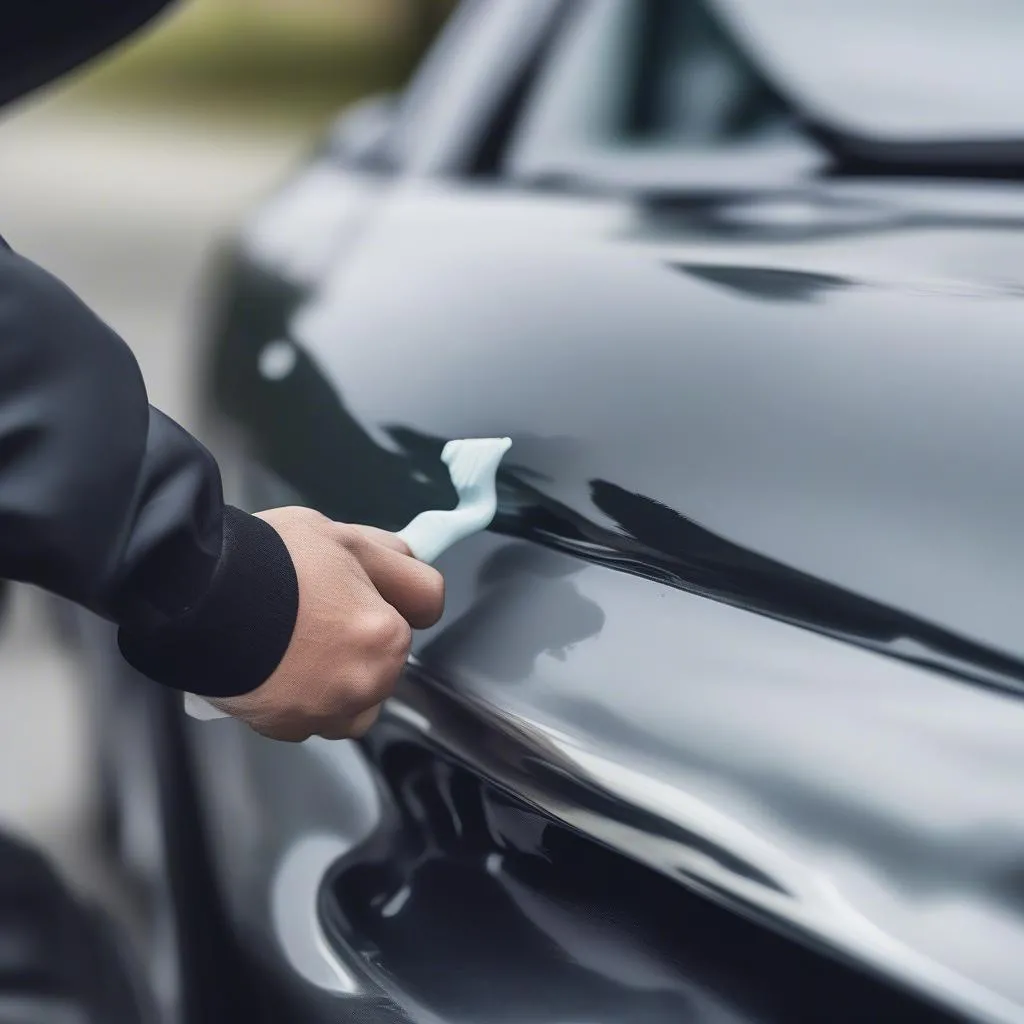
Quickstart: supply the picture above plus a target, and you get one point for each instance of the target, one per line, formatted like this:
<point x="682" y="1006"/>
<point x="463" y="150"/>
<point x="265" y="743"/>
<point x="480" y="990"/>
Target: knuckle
<point x="346" y="536"/>
<point x="401" y="639"/>
<point x="370" y="688"/>
<point x="386" y="632"/>
<point x="376" y="682"/>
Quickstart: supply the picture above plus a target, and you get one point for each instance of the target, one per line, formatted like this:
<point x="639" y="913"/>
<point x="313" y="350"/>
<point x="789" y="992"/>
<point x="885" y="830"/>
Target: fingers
<point x="415" y="590"/>
<point x="383" y="537"/>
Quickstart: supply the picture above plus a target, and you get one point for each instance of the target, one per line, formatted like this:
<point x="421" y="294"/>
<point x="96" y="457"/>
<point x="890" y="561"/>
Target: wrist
<point x="234" y="637"/>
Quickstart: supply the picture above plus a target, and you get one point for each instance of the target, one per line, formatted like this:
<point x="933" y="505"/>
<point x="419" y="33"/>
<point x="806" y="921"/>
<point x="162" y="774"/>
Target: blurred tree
<point x="296" y="59"/>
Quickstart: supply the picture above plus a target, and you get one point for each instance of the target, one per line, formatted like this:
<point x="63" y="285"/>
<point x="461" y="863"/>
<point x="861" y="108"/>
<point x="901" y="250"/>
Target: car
<point x="723" y="721"/>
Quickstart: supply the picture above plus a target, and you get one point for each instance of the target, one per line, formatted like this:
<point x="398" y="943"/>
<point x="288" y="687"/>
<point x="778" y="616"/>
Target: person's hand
<point x="360" y="596"/>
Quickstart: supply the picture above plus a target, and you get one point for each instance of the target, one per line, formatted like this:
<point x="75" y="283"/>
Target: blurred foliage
<point x="295" y="59"/>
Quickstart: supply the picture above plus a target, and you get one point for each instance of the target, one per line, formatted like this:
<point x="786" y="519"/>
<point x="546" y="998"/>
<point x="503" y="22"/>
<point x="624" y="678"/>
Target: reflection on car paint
<point x="525" y="905"/>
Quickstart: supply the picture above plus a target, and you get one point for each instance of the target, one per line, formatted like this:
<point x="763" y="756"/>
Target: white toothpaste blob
<point x="473" y="467"/>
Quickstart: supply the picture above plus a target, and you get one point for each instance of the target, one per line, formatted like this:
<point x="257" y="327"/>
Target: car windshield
<point x="900" y="70"/>
<point x="643" y="78"/>
<point x="645" y="73"/>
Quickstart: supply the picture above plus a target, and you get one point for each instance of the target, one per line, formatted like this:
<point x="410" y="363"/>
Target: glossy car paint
<point x="723" y="721"/>
<point x="783" y="426"/>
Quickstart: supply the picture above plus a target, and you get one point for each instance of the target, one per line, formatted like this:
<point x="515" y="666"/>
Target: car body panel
<point x="812" y="446"/>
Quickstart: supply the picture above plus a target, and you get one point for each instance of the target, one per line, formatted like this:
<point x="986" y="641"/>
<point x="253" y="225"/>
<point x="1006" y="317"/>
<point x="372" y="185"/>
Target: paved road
<point x="124" y="211"/>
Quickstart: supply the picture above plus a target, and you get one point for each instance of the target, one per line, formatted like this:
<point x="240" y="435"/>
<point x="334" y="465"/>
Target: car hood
<point x="808" y="407"/>
<point x="43" y="40"/>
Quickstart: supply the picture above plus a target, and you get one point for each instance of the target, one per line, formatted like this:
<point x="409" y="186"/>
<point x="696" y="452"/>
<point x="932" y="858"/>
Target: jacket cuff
<point x="234" y="638"/>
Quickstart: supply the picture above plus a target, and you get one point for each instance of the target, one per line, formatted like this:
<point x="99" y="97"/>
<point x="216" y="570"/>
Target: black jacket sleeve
<point x="109" y="503"/>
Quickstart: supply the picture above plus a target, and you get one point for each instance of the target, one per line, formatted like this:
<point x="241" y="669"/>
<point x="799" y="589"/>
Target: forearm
<point x="109" y="503"/>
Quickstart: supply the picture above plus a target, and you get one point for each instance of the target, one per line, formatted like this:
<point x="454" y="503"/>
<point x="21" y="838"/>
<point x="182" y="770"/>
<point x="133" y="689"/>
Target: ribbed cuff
<point x="235" y="637"/>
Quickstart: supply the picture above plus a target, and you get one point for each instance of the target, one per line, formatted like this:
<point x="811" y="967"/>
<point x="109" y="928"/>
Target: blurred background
<point x="120" y="180"/>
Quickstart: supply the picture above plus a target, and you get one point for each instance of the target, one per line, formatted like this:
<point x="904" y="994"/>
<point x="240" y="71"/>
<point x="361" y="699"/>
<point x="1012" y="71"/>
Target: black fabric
<point x="107" y="502"/>
<point x="40" y="40"/>
<point x="236" y="636"/>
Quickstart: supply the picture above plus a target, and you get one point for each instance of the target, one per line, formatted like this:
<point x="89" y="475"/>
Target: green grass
<point x="213" y="61"/>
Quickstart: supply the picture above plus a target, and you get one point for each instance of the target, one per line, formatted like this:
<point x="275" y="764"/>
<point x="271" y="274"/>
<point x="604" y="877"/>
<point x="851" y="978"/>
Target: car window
<point x="643" y="75"/>
<point x="904" y="69"/>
